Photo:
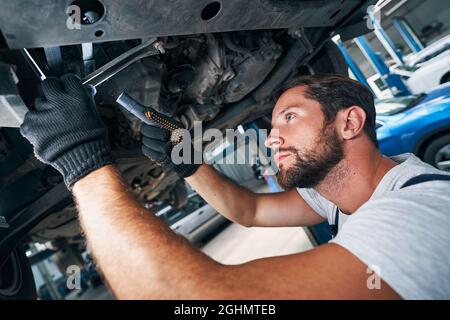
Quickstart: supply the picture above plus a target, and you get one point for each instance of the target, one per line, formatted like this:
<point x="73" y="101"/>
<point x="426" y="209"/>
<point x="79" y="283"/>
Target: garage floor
<point x="237" y="244"/>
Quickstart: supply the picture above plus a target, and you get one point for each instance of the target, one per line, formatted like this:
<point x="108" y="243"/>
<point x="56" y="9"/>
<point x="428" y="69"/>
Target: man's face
<point x="305" y="149"/>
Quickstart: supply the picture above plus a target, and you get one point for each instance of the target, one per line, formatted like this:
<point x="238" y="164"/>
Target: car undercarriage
<point x="210" y="61"/>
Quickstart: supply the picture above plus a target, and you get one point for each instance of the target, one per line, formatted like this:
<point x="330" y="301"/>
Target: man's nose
<point x="273" y="141"/>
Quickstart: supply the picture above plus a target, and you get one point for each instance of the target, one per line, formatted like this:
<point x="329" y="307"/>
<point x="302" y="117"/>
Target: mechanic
<point x="329" y="165"/>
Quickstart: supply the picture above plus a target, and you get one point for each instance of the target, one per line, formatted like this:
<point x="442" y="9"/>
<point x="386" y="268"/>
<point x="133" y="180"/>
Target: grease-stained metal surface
<point x="38" y="23"/>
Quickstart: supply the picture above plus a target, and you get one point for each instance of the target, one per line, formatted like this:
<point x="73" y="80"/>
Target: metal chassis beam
<point x="43" y="23"/>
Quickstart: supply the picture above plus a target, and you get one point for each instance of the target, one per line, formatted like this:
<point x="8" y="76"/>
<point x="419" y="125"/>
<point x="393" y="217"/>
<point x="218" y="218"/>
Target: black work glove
<point x="156" y="145"/>
<point x="66" y="130"/>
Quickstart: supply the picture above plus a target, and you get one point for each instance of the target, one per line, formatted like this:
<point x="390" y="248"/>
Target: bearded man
<point x="389" y="214"/>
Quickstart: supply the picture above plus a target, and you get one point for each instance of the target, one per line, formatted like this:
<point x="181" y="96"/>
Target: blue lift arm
<point x="394" y="81"/>
<point x="408" y="34"/>
<point x="386" y="41"/>
<point x="352" y="64"/>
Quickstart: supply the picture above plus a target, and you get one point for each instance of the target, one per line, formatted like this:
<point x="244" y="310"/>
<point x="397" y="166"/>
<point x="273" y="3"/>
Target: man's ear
<point x="351" y="122"/>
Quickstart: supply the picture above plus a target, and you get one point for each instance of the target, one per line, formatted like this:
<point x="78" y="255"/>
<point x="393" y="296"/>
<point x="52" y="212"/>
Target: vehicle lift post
<point x="352" y="64"/>
<point x="394" y="81"/>
<point x="386" y="41"/>
<point x="408" y="34"/>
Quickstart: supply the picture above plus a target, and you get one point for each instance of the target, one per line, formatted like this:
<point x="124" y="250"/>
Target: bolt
<point x="90" y="17"/>
<point x="159" y="46"/>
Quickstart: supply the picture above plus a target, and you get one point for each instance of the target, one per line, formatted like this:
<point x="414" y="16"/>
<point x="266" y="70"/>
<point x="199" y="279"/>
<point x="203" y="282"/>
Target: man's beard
<point x="311" y="167"/>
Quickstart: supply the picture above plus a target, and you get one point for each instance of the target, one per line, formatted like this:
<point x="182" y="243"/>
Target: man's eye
<point x="289" y="117"/>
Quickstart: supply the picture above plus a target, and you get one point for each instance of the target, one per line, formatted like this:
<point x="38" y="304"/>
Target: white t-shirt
<point x="403" y="233"/>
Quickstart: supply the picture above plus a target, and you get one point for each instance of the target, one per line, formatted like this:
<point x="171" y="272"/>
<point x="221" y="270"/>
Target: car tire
<point x="328" y="60"/>
<point x="445" y="78"/>
<point x="16" y="277"/>
<point x="437" y="152"/>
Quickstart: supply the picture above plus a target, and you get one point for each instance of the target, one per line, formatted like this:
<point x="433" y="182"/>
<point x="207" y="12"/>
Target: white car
<point x="428" y="68"/>
<point x="429" y="52"/>
<point x="430" y="74"/>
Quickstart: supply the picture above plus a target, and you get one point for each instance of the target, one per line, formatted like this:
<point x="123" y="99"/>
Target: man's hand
<point x="65" y="129"/>
<point x="157" y="146"/>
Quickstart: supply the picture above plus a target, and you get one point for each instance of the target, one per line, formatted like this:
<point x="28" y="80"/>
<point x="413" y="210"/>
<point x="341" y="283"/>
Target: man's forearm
<point x="138" y="253"/>
<point x="143" y="259"/>
<point x="228" y="198"/>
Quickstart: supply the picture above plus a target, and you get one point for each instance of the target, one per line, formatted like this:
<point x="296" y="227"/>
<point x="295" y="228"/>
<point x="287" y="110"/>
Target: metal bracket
<point x="149" y="47"/>
<point x="3" y="223"/>
<point x="12" y="107"/>
<point x="299" y="34"/>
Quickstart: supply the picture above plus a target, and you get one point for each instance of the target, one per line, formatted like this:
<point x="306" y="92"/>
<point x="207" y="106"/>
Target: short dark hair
<point x="334" y="93"/>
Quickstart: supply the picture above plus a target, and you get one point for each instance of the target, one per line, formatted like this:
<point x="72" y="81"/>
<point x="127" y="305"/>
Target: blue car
<point x="417" y="124"/>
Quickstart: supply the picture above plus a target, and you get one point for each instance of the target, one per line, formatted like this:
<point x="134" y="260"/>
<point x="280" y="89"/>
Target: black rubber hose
<point x="233" y="46"/>
<point x="296" y="53"/>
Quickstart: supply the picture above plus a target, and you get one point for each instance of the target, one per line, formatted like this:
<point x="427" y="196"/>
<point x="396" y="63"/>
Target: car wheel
<point x="329" y="60"/>
<point x="445" y="78"/>
<point x="16" y="278"/>
<point x="438" y="153"/>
